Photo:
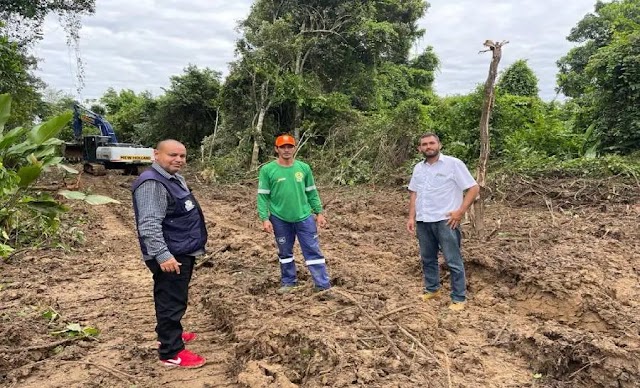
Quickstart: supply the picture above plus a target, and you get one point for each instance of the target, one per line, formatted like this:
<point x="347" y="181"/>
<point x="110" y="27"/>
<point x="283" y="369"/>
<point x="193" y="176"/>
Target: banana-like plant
<point x="27" y="217"/>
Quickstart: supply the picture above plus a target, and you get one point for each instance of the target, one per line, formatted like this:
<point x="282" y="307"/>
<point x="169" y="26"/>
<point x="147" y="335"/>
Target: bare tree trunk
<point x="297" y="111"/>
<point x="477" y="213"/>
<point x="257" y="138"/>
<point x="215" y="131"/>
<point x="297" y="119"/>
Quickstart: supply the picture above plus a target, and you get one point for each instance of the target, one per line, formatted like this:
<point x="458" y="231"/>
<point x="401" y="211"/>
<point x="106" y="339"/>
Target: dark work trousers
<point x="170" y="294"/>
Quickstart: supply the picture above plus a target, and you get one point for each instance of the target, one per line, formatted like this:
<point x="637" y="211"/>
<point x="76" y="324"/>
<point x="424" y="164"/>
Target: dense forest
<point x="338" y="75"/>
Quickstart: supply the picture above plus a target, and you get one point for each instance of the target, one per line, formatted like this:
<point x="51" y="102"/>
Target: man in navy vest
<point x="172" y="232"/>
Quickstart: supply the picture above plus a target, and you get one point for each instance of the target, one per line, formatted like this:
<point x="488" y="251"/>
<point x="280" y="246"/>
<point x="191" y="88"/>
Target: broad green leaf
<point x="94" y="199"/>
<point x="32" y="159"/>
<point x="591" y="152"/>
<point x="72" y="194"/>
<point x="54" y="141"/>
<point x="11" y="137"/>
<point x="52" y="161"/>
<point x="28" y="174"/>
<point x="68" y="169"/>
<point x="74" y="327"/>
<point x="90" y="331"/>
<point x="21" y="149"/>
<point x="5" y="250"/>
<point x="51" y="315"/>
<point x="44" y="197"/>
<point x="50" y="128"/>
<point x="46" y="151"/>
<point x="48" y="207"/>
<point x="5" y="110"/>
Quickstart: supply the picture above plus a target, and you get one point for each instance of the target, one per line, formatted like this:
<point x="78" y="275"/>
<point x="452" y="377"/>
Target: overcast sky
<point x="139" y="44"/>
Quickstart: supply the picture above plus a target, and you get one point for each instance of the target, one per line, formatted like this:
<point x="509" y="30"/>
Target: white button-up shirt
<point x="439" y="187"/>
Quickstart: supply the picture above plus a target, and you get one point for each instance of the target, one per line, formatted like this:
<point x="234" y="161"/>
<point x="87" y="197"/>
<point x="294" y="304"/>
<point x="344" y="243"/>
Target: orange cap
<point x="285" y="139"/>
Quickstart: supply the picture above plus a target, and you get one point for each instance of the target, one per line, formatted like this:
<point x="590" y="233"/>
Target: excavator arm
<point x="82" y="115"/>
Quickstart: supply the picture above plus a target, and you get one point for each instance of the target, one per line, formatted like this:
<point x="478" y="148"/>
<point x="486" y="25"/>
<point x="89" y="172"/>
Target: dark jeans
<point x="433" y="236"/>
<point x="170" y="294"/>
<point x="307" y="233"/>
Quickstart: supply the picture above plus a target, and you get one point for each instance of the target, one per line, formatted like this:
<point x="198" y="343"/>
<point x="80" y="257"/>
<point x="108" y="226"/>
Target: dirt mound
<point x="553" y="300"/>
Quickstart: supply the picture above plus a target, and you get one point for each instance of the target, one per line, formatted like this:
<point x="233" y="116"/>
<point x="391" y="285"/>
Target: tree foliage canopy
<point x="306" y="66"/>
<point x="603" y="74"/>
<point x="518" y="80"/>
<point x="187" y="110"/>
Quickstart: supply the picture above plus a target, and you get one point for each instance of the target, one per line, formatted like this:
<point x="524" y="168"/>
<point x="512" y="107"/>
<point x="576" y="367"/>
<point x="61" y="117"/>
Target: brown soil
<point x="554" y="300"/>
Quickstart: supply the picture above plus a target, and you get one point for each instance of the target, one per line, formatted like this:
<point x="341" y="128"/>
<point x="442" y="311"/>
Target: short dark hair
<point x="429" y="134"/>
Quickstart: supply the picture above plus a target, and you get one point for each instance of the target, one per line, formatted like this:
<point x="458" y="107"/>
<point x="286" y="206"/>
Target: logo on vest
<point x="188" y="205"/>
<point x="299" y="176"/>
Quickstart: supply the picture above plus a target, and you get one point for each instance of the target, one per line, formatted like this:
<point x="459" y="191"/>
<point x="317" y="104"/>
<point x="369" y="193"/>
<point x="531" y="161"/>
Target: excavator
<point x="103" y="152"/>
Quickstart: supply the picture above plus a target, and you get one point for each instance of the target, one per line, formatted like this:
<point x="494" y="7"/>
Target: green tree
<point x="55" y="103"/>
<point x="17" y="80"/>
<point x="38" y="9"/>
<point x="21" y="25"/>
<point x="602" y="75"/>
<point x="320" y="59"/>
<point x="25" y="17"/>
<point x="187" y="111"/>
<point x="518" y="80"/>
<point x="129" y="113"/>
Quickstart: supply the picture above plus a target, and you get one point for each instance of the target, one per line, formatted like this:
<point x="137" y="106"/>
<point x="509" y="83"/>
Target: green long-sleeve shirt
<point x="288" y="193"/>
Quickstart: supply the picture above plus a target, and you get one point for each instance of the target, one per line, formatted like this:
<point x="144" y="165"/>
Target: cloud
<point x="139" y="44"/>
<point x="536" y="31"/>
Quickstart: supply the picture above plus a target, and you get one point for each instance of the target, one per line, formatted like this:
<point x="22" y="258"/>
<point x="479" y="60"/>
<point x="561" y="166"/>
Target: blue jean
<point x="433" y="236"/>
<point x="307" y="233"/>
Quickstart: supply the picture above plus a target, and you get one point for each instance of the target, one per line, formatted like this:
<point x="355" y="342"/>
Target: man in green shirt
<point x="287" y="202"/>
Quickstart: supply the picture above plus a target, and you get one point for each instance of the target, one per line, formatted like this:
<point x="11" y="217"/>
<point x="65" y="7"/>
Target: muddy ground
<point x="554" y="298"/>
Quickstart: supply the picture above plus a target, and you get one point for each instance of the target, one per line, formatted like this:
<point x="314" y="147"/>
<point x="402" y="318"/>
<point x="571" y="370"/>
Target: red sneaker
<point x="185" y="359"/>
<point x="188" y="336"/>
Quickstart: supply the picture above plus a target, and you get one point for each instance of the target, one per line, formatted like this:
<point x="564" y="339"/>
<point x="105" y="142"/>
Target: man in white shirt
<point x="436" y="207"/>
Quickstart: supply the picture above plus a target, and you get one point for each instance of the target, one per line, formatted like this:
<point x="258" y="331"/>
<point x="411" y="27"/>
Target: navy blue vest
<point x="183" y="226"/>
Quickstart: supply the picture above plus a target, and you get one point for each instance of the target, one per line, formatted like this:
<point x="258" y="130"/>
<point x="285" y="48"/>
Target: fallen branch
<point x="447" y="366"/>
<point x="290" y="307"/>
<point x="395" y="311"/>
<point x="44" y="346"/>
<point x="339" y="311"/>
<point x="210" y="256"/>
<point x="392" y="344"/>
<point x="586" y="366"/>
<point x="550" y="207"/>
<point x="495" y="340"/>
<point x="418" y="343"/>
<point x="117" y="373"/>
